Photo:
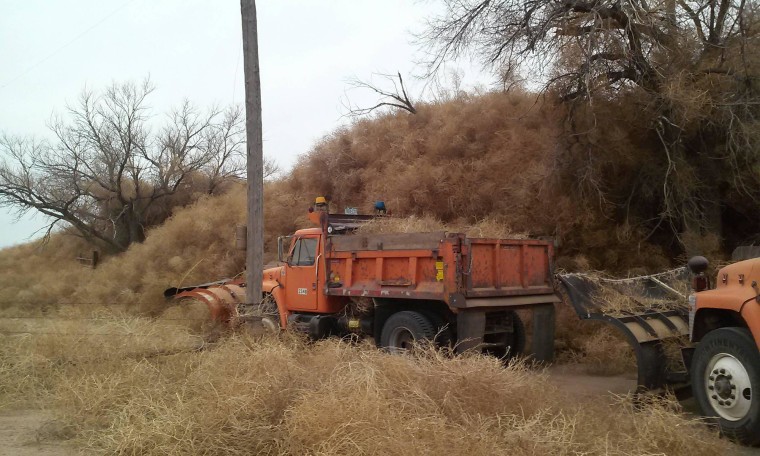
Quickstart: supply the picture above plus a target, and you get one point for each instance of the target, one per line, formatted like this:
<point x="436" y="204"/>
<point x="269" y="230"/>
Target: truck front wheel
<point x="403" y="329"/>
<point x="725" y="379"/>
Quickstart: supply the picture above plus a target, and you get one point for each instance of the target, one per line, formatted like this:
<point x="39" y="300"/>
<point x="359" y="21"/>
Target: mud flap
<point x="471" y="325"/>
<point x="542" y="346"/>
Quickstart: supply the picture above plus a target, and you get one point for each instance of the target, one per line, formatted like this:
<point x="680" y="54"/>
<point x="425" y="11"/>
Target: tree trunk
<point x="705" y="197"/>
<point x="708" y="173"/>
<point x="129" y="228"/>
<point x="136" y="232"/>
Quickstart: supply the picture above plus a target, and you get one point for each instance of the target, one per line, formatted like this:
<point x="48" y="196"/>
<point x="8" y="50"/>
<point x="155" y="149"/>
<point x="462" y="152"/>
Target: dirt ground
<point x="32" y="432"/>
<point x="36" y="432"/>
<point x="572" y="379"/>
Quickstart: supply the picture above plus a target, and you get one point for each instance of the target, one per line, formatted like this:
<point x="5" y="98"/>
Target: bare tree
<point x="691" y="66"/>
<point x="395" y="98"/>
<point x="598" y="43"/>
<point x="107" y="175"/>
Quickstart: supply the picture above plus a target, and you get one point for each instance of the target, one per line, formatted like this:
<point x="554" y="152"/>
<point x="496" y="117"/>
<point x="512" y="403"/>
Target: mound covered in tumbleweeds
<point x="195" y="245"/>
<point x="489" y="227"/>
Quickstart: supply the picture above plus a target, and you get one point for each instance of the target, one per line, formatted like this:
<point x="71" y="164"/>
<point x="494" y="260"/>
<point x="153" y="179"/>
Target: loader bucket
<point x="222" y="298"/>
<point x="645" y="324"/>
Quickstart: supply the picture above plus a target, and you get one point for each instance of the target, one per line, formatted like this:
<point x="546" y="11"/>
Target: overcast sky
<point x="192" y="49"/>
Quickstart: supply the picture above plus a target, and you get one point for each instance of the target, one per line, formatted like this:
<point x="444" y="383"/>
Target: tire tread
<point x="424" y="327"/>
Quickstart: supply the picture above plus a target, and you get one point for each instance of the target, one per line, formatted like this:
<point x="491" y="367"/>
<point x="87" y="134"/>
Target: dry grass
<point x="598" y="347"/>
<point x="35" y="276"/>
<point x="606" y="352"/>
<point x="489" y="227"/>
<point x="671" y="348"/>
<point x="616" y="297"/>
<point x="617" y="302"/>
<point x="411" y="224"/>
<point x="38" y="351"/>
<point x="195" y="245"/>
<point x="155" y="394"/>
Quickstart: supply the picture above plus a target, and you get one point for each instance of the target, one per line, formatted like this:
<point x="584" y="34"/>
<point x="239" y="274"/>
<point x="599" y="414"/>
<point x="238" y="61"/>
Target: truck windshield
<point x="304" y="252"/>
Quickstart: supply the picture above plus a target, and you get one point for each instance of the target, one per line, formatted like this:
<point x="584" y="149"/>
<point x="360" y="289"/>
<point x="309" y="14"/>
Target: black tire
<point x="515" y="341"/>
<point x="441" y="327"/>
<point x="725" y="379"/>
<point x="402" y="329"/>
<point x="268" y="313"/>
<point x="263" y="315"/>
<point x="517" y="347"/>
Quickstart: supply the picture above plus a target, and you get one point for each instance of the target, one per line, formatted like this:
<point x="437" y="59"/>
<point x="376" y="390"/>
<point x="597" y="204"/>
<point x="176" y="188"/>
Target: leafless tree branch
<point x="397" y="98"/>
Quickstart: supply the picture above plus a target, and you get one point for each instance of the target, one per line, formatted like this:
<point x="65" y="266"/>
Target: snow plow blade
<point x="223" y="298"/>
<point x="645" y="324"/>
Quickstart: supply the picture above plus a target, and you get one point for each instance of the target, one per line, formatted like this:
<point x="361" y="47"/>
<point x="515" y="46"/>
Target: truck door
<point x="302" y="282"/>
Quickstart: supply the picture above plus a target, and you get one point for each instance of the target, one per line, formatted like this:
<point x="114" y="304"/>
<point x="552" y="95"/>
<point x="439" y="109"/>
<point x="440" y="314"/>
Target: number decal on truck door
<point x="302" y="291"/>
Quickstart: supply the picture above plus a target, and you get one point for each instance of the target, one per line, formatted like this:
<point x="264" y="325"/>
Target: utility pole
<point x="254" y="264"/>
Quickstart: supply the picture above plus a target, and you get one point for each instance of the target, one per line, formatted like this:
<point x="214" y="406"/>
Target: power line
<point x="169" y="302"/>
<point x="115" y="320"/>
<point x="69" y="334"/>
<point x="234" y="79"/>
<point x="67" y="44"/>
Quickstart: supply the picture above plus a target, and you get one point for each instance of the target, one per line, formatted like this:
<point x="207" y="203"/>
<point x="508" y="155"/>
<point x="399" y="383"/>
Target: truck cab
<point x="297" y="280"/>
<point x="724" y="364"/>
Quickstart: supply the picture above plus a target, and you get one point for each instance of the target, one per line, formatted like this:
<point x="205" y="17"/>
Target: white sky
<point x="192" y="49"/>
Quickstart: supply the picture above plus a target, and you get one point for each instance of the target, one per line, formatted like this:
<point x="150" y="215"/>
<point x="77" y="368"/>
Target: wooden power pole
<point x="255" y="239"/>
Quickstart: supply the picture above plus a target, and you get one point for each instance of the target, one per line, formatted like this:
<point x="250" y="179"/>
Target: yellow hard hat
<point x="320" y="200"/>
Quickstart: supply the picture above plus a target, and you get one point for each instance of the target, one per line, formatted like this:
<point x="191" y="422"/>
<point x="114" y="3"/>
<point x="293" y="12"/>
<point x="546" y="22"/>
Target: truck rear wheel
<point x="441" y="327"/>
<point x="725" y="379"/>
<point x="514" y="341"/>
<point x="517" y="341"/>
<point x="403" y="329"/>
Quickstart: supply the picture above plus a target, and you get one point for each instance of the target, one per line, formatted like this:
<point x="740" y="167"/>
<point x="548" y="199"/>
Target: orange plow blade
<point x="223" y="299"/>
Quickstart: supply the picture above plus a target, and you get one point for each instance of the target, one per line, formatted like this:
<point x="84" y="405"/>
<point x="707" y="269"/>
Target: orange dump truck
<point x="400" y="288"/>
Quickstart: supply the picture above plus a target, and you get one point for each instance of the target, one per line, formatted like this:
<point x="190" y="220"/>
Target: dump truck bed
<point x="463" y="272"/>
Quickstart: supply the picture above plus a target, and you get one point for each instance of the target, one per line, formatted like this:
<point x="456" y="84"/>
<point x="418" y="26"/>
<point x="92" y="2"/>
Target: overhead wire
<point x="72" y="334"/>
<point x="65" y="45"/>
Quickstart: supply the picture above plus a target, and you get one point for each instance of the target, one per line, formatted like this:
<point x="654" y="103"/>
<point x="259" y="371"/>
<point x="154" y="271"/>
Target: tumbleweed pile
<point x="161" y="392"/>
